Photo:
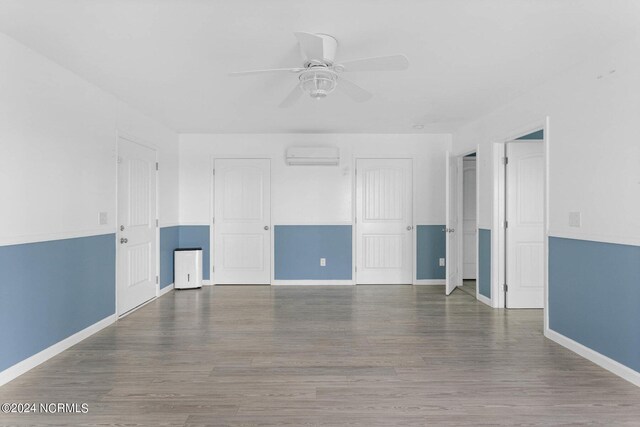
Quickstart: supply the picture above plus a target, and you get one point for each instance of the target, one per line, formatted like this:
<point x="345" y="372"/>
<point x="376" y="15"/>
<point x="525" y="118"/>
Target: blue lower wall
<point x="169" y="241"/>
<point x="51" y="290"/>
<point x="182" y="236"/>
<point x="594" y="296"/>
<point x="484" y="262"/>
<point x="298" y="249"/>
<point x="431" y="246"/>
<point x="190" y="236"/>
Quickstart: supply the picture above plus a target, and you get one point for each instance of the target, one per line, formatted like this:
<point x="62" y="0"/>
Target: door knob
<point x="124" y="240"/>
<point x="266" y="227"/>
<point x="409" y="228"/>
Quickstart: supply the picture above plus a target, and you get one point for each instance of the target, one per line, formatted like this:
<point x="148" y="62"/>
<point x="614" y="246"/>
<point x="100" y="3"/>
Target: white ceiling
<point x="170" y="58"/>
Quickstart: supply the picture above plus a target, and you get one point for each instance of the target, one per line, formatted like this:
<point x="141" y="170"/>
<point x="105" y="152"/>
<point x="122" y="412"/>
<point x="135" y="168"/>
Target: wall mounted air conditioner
<point x="313" y="156"/>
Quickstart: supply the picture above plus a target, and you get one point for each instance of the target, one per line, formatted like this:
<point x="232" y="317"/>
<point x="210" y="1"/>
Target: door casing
<point x="469" y="227"/>
<point x="212" y="223"/>
<point x="498" y="263"/>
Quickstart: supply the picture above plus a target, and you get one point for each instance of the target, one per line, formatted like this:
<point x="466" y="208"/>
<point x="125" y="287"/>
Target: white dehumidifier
<point x="187" y="268"/>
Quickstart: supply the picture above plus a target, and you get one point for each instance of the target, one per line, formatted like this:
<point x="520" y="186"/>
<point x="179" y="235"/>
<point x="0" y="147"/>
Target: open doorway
<point x="521" y="221"/>
<point x="469" y="225"/>
<point x="461" y="228"/>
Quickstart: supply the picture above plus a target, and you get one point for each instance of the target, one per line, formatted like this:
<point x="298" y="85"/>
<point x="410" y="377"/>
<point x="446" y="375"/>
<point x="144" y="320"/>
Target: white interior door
<point x="525" y="230"/>
<point x="469" y="224"/>
<point x="452" y="228"/>
<point x="242" y="222"/>
<point x="384" y="221"/>
<point x="137" y="269"/>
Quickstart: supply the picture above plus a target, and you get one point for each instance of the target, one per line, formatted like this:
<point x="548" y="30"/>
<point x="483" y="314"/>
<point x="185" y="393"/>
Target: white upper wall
<point x="593" y="145"/>
<point x="58" y="150"/>
<point x="312" y="194"/>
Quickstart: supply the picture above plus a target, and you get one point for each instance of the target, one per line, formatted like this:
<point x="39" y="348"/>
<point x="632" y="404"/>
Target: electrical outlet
<point x="323" y="262"/>
<point x="575" y="219"/>
<point x="104" y="219"/>
<point x="442" y="262"/>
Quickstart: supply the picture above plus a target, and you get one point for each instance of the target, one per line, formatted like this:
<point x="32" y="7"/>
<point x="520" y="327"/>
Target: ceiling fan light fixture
<point x="318" y="83"/>
<point x="318" y="76"/>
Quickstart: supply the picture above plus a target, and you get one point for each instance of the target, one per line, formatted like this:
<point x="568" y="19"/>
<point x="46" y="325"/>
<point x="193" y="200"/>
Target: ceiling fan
<point x="320" y="74"/>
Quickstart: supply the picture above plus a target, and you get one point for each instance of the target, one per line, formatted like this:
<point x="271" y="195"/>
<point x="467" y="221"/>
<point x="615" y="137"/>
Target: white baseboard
<point x="165" y="290"/>
<point x="429" y="282"/>
<point x="312" y="283"/>
<point x="57" y="348"/>
<point x="599" y="359"/>
<point x="484" y="300"/>
<point x="207" y="283"/>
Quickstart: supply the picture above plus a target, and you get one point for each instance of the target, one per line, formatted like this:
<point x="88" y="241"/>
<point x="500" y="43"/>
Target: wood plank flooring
<point x="468" y="287"/>
<point x="324" y="356"/>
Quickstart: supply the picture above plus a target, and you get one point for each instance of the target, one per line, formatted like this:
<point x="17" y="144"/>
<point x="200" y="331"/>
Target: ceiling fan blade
<point x="312" y="45"/>
<point x="272" y="70"/>
<point x="379" y="63"/>
<point x="352" y="90"/>
<point x="292" y="98"/>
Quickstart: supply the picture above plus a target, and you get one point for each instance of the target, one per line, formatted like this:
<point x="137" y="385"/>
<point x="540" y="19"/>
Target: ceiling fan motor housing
<point x="329" y="46"/>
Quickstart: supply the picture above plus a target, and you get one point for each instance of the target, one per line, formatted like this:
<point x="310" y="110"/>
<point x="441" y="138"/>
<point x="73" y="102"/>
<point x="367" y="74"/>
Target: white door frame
<point x="212" y="210"/>
<point x="498" y="235"/>
<point x="475" y="164"/>
<point x="124" y="135"/>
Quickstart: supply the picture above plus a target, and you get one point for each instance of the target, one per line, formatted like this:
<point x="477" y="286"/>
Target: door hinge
<point x="356" y="268"/>
<point x="157" y="223"/>
<point x="213" y="220"/>
<point x="506" y="224"/>
<point x="505" y="160"/>
<point x="213" y="268"/>
<point x="157" y="280"/>
<point x="356" y="220"/>
<point x="214" y="172"/>
<point x="157" y="166"/>
<point x="505" y="287"/>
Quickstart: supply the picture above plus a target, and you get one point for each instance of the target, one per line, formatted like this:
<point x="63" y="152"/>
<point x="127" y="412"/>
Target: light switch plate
<point x="575" y="219"/>
<point x="442" y="263"/>
<point x="323" y="262"/>
<point x="104" y="218"/>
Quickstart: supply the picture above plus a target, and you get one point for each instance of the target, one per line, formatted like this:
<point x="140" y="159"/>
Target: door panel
<point x="242" y="251"/>
<point x="453" y="176"/>
<point x="469" y="225"/>
<point x="137" y="244"/>
<point x="242" y="235"/>
<point x="384" y="221"/>
<point x="525" y="231"/>
<point x="383" y="251"/>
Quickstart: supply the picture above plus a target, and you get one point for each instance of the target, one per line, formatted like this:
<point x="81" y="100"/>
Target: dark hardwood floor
<point x="324" y="356"/>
